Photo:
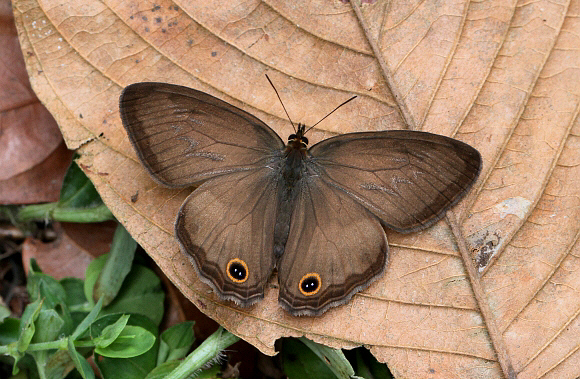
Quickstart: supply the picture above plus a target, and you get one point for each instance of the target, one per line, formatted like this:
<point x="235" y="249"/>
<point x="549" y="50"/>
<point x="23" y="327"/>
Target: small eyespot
<point x="237" y="270"/>
<point x="310" y="284"/>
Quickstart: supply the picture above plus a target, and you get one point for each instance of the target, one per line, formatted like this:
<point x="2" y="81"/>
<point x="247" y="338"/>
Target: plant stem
<point x="54" y="212"/>
<point x="206" y="352"/>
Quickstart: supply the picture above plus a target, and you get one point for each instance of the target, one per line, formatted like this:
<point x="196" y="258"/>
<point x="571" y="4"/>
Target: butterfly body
<point x="292" y="170"/>
<point x="315" y="215"/>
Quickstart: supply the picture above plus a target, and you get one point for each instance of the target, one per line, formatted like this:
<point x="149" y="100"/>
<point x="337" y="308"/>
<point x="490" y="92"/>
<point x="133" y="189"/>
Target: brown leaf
<point x="75" y="246"/>
<point x="41" y="183"/>
<point x="33" y="157"/>
<point x="500" y="75"/>
<point x="28" y="133"/>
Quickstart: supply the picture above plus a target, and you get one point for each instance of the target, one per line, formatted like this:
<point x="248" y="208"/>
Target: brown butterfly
<point x="316" y="214"/>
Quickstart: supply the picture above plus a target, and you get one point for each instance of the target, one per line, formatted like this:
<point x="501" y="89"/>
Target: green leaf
<point x="367" y="366"/>
<point x="9" y="330"/>
<point x="76" y="301"/>
<point x="34" y="267"/>
<point x="176" y="342"/>
<point x="77" y="190"/>
<point x="25" y="333"/>
<point x="91" y="317"/>
<point x="128" y="368"/>
<point x="4" y="312"/>
<point x="79" y="202"/>
<point x="210" y="373"/>
<point x="81" y="364"/>
<point x="300" y="362"/>
<point x="131" y="342"/>
<point x="91" y="275"/>
<point x="42" y="286"/>
<point x="48" y="325"/>
<point x="334" y="358"/>
<point x="141" y="293"/>
<point x="111" y="332"/>
<point x="9" y="333"/>
<point x="27" y="327"/>
<point x="58" y="365"/>
<point x="164" y="369"/>
<point x="117" y="266"/>
<point x="73" y="287"/>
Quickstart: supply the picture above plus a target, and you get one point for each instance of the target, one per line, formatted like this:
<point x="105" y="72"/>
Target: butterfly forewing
<point x="407" y="179"/>
<point x="184" y="136"/>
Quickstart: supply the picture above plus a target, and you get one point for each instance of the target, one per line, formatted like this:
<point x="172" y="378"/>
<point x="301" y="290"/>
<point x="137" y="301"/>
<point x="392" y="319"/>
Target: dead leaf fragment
<point x="75" y="246"/>
<point x="28" y="132"/>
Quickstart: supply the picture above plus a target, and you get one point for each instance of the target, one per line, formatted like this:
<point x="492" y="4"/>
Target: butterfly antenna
<point x="275" y="90"/>
<point x="349" y="100"/>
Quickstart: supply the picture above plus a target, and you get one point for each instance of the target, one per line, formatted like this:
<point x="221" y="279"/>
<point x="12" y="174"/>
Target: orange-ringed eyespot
<point x="237" y="270"/>
<point x="310" y="284"/>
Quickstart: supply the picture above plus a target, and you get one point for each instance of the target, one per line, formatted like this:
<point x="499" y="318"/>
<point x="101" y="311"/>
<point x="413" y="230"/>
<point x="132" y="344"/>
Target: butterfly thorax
<point x="294" y="154"/>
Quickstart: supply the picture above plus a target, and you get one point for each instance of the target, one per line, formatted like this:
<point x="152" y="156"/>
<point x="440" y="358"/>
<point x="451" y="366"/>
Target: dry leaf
<point x="75" y="246"/>
<point x="497" y="74"/>
<point x="33" y="157"/>
<point x="41" y="182"/>
<point x="28" y="133"/>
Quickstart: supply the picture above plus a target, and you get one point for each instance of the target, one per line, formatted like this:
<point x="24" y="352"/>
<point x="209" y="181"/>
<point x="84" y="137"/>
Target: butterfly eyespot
<point x="237" y="270"/>
<point x="310" y="284"/>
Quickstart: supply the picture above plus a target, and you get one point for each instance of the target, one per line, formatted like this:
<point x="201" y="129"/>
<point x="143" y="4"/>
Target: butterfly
<point x="314" y="214"/>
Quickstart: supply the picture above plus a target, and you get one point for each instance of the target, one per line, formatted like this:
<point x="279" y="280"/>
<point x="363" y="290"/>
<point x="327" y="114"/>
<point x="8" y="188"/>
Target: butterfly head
<point x="298" y="140"/>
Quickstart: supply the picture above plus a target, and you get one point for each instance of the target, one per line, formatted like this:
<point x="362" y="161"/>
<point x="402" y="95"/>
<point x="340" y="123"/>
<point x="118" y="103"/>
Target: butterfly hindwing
<point x="335" y="248"/>
<point x="225" y="227"/>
